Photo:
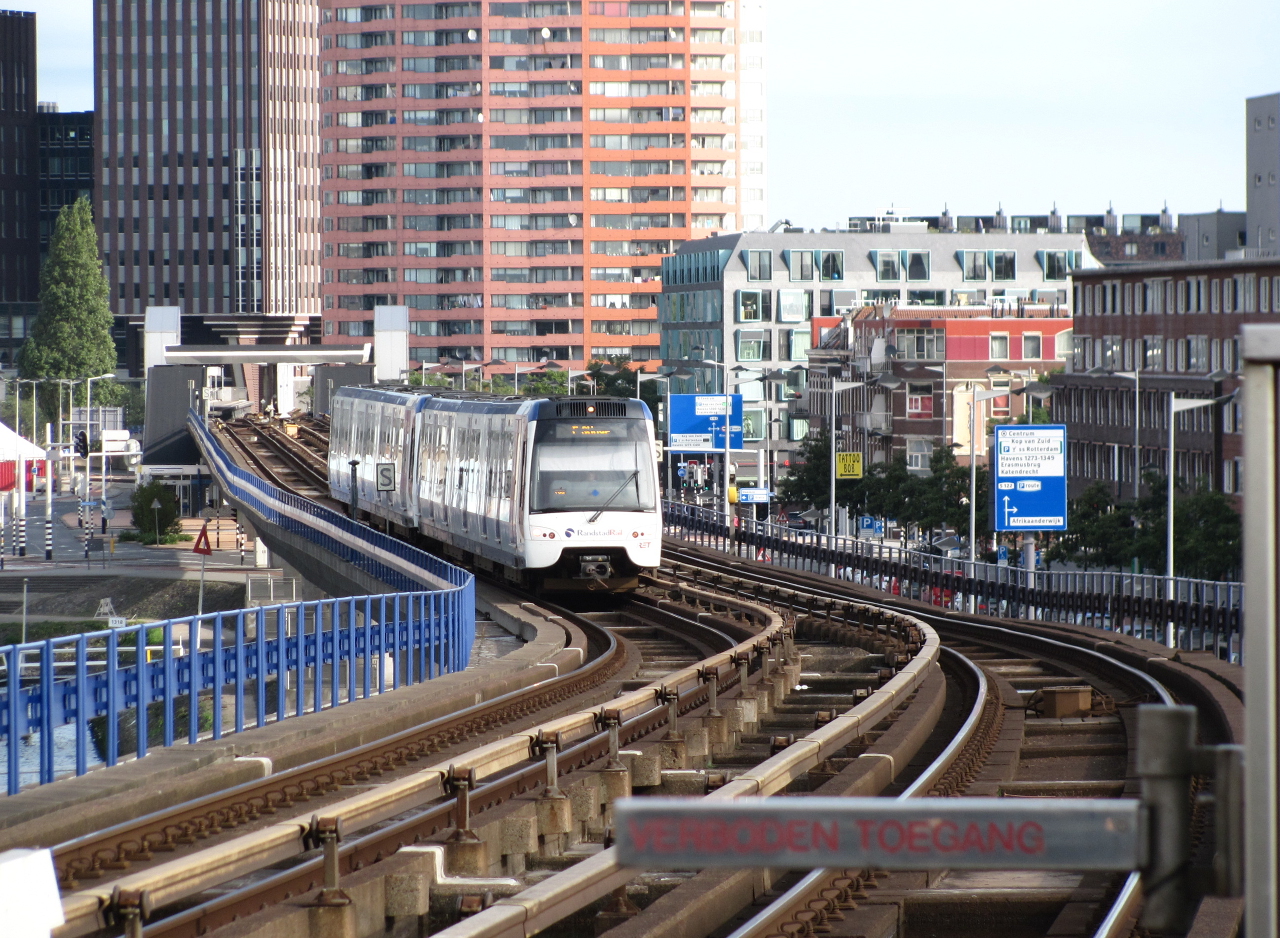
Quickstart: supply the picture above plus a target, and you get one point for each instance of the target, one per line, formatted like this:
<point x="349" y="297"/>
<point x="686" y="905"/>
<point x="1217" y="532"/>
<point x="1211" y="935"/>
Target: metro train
<point x="556" y="494"/>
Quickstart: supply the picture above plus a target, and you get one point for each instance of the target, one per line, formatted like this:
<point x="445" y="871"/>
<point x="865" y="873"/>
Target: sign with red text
<point x="916" y="834"/>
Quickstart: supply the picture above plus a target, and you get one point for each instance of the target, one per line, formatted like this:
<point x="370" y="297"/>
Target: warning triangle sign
<point x="202" y="541"/>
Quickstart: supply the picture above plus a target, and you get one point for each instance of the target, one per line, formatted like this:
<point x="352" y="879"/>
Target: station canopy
<point x="267" y="354"/>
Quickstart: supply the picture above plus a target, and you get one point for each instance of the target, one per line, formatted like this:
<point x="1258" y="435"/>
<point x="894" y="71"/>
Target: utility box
<point x="1063" y="702"/>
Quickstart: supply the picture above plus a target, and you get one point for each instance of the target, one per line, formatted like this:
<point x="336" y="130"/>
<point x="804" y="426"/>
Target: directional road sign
<point x="881" y="833"/>
<point x="848" y="465"/>
<point x="1029" y="485"/>
<point x="870" y="526"/>
<point x="697" y="423"/>
<point x="753" y="496"/>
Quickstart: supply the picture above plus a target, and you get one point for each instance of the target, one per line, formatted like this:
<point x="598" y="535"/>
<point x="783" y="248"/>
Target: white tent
<point x="12" y="446"/>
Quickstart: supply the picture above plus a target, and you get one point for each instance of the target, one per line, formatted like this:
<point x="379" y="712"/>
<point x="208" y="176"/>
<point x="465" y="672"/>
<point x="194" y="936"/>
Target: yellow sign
<point x="848" y="465"/>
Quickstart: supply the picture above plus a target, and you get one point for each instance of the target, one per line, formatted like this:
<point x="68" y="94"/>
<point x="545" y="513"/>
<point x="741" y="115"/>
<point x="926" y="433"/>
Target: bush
<point x="145" y="517"/>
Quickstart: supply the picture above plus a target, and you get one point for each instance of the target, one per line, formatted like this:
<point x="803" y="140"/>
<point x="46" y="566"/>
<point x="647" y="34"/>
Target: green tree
<point x="145" y="517"/>
<point x="71" y="337"/>
<point x="544" y="384"/>
<point x="620" y="383"/>
<point x="1100" y="534"/>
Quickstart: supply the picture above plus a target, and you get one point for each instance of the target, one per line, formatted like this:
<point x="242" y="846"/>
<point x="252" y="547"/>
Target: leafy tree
<point x="1100" y="534"/>
<point x="71" y="337"/>
<point x="145" y="517"/>
<point x="544" y="384"/>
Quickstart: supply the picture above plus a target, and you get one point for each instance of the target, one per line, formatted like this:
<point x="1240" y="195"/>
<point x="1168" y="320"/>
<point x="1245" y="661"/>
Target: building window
<point x="795" y="305"/>
<point x="1131" y="249"/>
<point x="920" y="401"/>
<point x="831" y="265"/>
<point x="919" y="455"/>
<point x="927" y="297"/>
<point x="1056" y="265"/>
<point x="999" y="348"/>
<point x="755" y="305"/>
<point x="974" y="264"/>
<point x="753" y="424"/>
<point x="1004" y="265"/>
<point x="800" y="264"/>
<point x="1031" y="347"/>
<point x="1000" y="405"/>
<point x="921" y="344"/>
<point x="799" y="341"/>
<point x="754" y="346"/>
<point x="799" y="429"/>
<point x="759" y="265"/>
<point x="888" y="266"/>
<point x="917" y="265"/>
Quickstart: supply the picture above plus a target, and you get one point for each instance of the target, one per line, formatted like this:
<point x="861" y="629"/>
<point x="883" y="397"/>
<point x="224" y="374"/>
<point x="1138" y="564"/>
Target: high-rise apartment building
<point x="1262" y="160"/>
<point x="514" y="172"/>
<point x="19" y="255"/>
<point x="208" y="187"/>
<point x="65" y="164"/>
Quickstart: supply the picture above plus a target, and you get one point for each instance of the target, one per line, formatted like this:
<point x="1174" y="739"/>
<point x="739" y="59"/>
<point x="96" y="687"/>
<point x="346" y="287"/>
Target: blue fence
<point x="68" y="704"/>
<point x="213" y="675"/>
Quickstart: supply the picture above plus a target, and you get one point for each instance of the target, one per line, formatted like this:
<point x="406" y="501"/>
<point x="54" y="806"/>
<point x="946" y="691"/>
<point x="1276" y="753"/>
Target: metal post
<point x="48" y="493"/>
<point x="1166" y="740"/>
<point x="24" y="616"/>
<point x="1170" y="636"/>
<point x="355" y="497"/>
<point x="22" y="505"/>
<point x="1261" y="347"/>
<point x="973" y="480"/>
<point x="551" y="747"/>
<point x="1137" y="427"/>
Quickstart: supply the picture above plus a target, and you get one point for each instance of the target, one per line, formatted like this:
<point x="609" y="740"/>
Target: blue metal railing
<point x="131" y="689"/>
<point x="67" y="704"/>
<point x="1205" y="613"/>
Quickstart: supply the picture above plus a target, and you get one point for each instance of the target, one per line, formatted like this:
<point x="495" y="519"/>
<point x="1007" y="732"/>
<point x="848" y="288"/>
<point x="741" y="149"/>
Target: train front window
<point x="589" y="465"/>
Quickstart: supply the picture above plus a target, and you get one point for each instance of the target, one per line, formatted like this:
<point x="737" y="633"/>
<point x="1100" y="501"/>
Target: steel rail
<point x="567" y="892"/>
<point x="85" y="911"/>
<point x="1128" y="901"/>
<point x="126" y="842"/>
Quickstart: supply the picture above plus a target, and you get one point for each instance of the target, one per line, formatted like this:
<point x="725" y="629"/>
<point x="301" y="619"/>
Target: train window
<point x="584" y="465"/>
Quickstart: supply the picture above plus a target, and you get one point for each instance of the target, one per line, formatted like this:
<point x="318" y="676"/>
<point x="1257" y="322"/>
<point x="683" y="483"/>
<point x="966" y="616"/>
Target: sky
<point x="917" y="104"/>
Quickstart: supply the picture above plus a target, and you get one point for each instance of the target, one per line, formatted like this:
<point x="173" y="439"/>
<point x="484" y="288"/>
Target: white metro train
<point x="558" y="494"/>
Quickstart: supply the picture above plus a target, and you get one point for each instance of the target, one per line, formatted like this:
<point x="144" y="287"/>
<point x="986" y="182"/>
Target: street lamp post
<point x="1177" y="405"/>
<point x="978" y="397"/>
<point x="1136" y="377"/>
<point x="836" y="388"/>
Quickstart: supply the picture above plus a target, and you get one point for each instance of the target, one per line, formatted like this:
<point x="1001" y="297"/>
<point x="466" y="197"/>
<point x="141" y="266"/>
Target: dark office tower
<point x="208" y="129"/>
<point x="65" y="163"/>
<point x="19" y="255"/>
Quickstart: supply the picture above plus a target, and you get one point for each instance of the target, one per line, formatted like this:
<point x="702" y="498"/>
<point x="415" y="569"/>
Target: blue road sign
<point x="1002" y="555"/>
<point x="866" y="524"/>
<point x="1029" y="478"/>
<point x="681" y="472"/>
<point x="697" y="423"/>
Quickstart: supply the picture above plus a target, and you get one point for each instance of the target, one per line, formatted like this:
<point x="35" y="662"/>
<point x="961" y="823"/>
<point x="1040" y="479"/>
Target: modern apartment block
<point x="65" y="164"/>
<point x="208" y="183"/>
<point x="513" y="172"/>
<point x="952" y="305"/>
<point x="19" y="254"/>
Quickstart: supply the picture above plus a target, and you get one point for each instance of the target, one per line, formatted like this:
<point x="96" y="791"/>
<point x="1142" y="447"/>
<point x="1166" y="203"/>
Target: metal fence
<point x="1197" y="614"/>
<point x="67" y="704"/>
<point x="125" y="691"/>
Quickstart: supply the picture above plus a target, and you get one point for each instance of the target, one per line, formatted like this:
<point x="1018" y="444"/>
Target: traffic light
<point x="82" y="444"/>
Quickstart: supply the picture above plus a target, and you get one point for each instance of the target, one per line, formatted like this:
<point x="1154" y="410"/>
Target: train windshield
<point x="591" y="465"/>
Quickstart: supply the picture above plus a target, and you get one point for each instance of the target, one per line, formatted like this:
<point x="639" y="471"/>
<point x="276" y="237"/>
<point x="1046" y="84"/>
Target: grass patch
<point x="11" y="632"/>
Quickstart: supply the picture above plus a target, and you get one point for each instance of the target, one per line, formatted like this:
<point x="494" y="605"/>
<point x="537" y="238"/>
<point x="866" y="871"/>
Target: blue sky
<point x="917" y="103"/>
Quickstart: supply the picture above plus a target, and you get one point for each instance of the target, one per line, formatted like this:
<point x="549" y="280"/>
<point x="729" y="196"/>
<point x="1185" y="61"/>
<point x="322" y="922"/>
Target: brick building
<point x="514" y="172"/>
<point x="1176" y="327"/>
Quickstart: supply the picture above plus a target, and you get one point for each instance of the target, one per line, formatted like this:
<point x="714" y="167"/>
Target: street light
<point x="155" y="514"/>
<point x="728" y="425"/>
<point x="1136" y="377"/>
<point x="836" y="388"/>
<point x="1178" y="405"/>
<point x="978" y="397"/>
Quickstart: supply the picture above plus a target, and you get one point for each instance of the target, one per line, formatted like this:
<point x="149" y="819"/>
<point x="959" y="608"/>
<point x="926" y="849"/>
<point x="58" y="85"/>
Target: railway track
<point x="827" y="688"/>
